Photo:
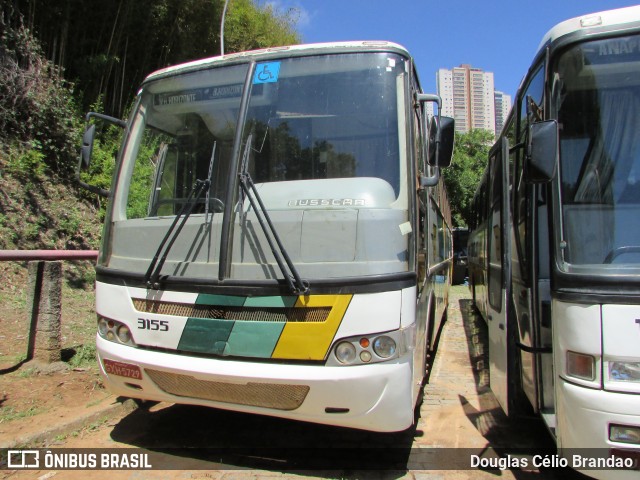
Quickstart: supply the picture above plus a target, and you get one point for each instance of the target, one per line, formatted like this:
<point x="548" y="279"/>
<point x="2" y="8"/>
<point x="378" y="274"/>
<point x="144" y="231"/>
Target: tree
<point x="268" y="28"/>
<point x="470" y="156"/>
<point x="37" y="113"/>
<point x="106" y="48"/>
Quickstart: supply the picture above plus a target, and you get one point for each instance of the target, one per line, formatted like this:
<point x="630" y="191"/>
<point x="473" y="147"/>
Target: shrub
<point x="36" y="103"/>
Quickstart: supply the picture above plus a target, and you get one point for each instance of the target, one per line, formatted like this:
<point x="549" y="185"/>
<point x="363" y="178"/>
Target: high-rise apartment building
<point x="503" y="106"/>
<point x="468" y="96"/>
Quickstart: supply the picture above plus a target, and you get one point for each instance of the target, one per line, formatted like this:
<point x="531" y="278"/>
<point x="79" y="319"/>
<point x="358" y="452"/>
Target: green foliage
<point x="267" y="27"/>
<point x="470" y="156"/>
<point x="10" y="413"/>
<point x="85" y="356"/>
<point x="37" y="112"/>
<point x="8" y="235"/>
<point x="141" y="180"/>
<point x="27" y="163"/>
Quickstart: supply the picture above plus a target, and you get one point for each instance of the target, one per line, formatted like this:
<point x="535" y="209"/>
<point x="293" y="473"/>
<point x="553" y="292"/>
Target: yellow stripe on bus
<point x="311" y="340"/>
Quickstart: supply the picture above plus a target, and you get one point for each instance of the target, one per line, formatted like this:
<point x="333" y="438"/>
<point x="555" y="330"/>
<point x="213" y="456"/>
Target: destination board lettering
<point x="198" y="95"/>
<point x="622" y="46"/>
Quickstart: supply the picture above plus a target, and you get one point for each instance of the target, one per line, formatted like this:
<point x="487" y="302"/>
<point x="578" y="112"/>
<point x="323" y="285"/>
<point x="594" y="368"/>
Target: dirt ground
<point x="35" y="397"/>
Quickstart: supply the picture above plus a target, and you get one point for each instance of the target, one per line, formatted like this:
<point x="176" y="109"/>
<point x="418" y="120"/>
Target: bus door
<point x="523" y="271"/>
<point x="531" y="293"/>
<point x="530" y="268"/>
<point x="498" y="273"/>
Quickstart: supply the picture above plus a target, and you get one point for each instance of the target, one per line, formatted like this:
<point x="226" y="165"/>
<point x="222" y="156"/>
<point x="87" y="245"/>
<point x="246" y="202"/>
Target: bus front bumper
<point x="375" y="397"/>
<point x="584" y="417"/>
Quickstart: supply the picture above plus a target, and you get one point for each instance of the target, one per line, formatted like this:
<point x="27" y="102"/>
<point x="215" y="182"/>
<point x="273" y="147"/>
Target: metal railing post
<point x="44" y="297"/>
<point x="45" y="301"/>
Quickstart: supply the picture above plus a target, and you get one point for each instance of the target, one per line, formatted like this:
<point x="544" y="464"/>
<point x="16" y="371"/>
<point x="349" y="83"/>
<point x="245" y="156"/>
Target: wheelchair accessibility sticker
<point x="266" y="73"/>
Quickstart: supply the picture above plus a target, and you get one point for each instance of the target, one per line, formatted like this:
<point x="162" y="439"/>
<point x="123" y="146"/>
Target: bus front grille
<point x="237" y="313"/>
<point x="267" y="395"/>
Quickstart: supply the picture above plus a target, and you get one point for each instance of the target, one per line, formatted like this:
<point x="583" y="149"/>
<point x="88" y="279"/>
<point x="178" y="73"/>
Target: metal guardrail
<point x="28" y="255"/>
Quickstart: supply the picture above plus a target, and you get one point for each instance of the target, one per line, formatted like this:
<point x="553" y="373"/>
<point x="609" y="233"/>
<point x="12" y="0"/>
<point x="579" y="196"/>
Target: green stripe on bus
<point x="254" y="339"/>
<point x="220" y="300"/>
<point x="205" y="335"/>
<point x="267" y="302"/>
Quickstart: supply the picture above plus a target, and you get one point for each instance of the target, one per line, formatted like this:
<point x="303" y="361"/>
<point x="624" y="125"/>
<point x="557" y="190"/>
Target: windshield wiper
<point x="291" y="276"/>
<point x="152" y="276"/>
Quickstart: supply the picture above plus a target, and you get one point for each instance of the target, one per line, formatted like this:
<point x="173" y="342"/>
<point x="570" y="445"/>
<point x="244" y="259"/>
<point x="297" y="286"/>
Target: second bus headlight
<point x="624" y="371"/>
<point x="124" y="335"/>
<point x="384" y="346"/>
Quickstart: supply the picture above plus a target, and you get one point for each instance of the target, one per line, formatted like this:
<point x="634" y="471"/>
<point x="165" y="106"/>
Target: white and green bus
<point x="277" y="239"/>
<point x="554" y="253"/>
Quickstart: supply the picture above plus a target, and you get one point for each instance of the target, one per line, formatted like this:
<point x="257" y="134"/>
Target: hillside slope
<point x="39" y="211"/>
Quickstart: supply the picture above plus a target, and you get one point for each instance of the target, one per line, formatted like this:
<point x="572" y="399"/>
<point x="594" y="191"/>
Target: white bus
<point x="555" y="247"/>
<point x="277" y="238"/>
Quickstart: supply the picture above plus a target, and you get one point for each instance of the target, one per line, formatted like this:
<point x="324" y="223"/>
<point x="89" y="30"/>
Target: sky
<point x="499" y="36"/>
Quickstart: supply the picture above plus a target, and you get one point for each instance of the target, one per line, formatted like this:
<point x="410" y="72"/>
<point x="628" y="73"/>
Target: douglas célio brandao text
<point x="575" y="461"/>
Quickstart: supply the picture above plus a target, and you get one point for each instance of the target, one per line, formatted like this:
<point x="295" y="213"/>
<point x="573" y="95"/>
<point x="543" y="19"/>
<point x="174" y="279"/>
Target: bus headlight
<point x="384" y="346"/>
<point x="374" y="347"/>
<point x="115" y="331"/>
<point x="103" y="326"/>
<point x="624" y="434"/>
<point x="624" y="371"/>
<point x="124" y="335"/>
<point x="345" y="352"/>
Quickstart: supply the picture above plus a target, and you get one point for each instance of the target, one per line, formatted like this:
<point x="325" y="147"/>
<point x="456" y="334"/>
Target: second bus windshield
<point x="597" y="97"/>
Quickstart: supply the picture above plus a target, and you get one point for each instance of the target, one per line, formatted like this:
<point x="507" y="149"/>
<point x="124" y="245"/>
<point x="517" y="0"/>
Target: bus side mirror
<point x="87" y="146"/>
<point x="542" y="152"/>
<point x="441" y="134"/>
<point x="86" y="150"/>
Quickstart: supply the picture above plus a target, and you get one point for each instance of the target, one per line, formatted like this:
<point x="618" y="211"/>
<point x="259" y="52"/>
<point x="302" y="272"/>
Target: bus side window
<point x="164" y="184"/>
<point x="530" y="110"/>
<point x="495" y="270"/>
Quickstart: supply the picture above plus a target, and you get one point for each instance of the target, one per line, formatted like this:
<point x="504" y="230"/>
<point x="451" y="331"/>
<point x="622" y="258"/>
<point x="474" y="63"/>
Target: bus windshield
<point x="596" y="94"/>
<point x="318" y="133"/>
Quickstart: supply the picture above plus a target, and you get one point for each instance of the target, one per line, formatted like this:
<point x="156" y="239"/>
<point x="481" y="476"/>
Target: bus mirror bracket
<point x="86" y="150"/>
<point x="431" y="181"/>
<point x="542" y="151"/>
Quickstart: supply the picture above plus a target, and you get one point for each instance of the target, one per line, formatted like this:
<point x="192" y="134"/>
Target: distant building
<point x="430" y="110"/>
<point x="468" y="96"/>
<point x="503" y="106"/>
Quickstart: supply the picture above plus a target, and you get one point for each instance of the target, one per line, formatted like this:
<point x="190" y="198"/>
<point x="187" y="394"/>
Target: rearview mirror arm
<point x="431" y="181"/>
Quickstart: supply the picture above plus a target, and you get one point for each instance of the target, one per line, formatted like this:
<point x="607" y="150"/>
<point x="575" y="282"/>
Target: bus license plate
<point x="122" y="369"/>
